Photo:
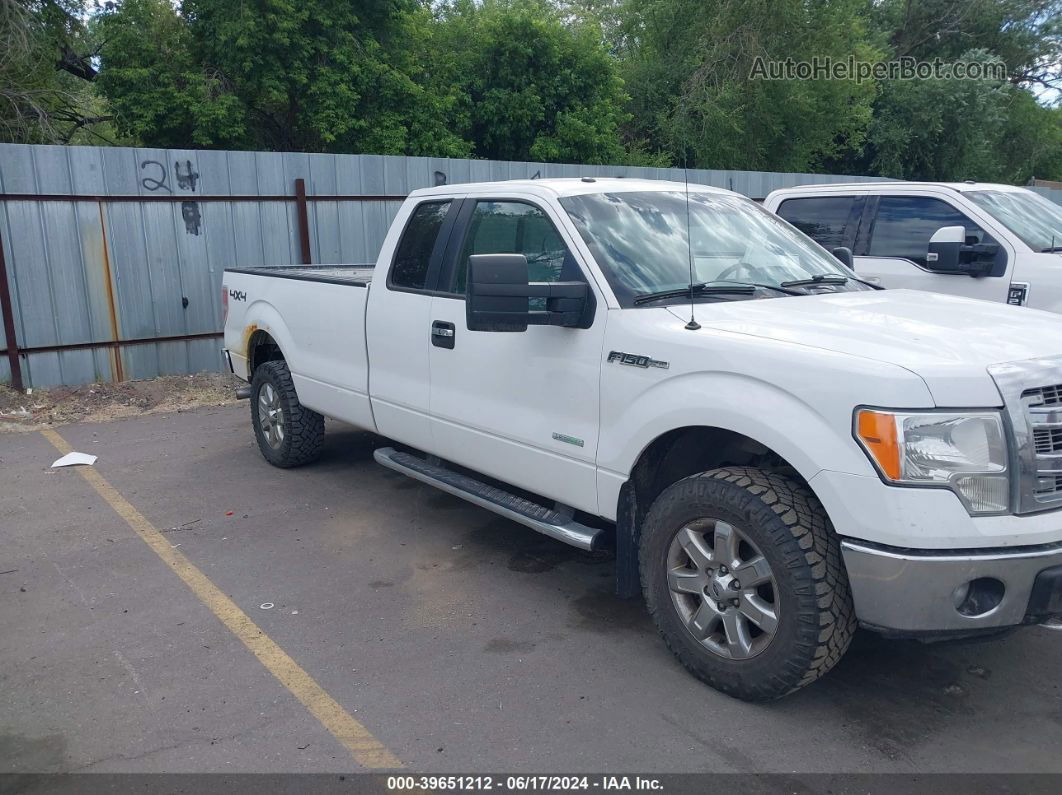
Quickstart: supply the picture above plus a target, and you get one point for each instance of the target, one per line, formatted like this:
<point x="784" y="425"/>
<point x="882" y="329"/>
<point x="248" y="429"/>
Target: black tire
<point x="790" y="529"/>
<point x="303" y="429"/>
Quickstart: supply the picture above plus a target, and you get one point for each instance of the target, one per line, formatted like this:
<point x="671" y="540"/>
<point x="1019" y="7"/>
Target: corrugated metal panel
<point x="1054" y="194"/>
<point x="96" y="271"/>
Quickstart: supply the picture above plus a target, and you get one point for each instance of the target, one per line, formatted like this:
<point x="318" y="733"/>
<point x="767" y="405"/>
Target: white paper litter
<point x="73" y="459"/>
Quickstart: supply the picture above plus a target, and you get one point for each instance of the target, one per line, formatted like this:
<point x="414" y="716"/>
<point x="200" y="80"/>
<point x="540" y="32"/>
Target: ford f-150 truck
<point x="995" y="242"/>
<point x="777" y="451"/>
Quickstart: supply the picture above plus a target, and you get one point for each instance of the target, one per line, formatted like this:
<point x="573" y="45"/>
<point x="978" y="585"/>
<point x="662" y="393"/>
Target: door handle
<point x="442" y="334"/>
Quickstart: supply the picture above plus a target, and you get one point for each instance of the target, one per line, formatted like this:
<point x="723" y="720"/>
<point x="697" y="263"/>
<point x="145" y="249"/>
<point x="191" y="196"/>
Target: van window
<point x="904" y="224"/>
<point x="824" y="219"/>
<point x="409" y="271"/>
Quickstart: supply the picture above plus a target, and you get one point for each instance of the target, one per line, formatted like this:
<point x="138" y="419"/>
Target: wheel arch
<point x="670" y="457"/>
<point x="685" y="451"/>
<point x="261" y="347"/>
<point x="265" y="337"/>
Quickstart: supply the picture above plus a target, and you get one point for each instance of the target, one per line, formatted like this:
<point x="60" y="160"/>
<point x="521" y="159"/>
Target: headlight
<point x="965" y="452"/>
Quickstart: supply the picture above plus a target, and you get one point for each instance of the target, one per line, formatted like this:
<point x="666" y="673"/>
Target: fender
<point x="810" y="437"/>
<point x="260" y="315"/>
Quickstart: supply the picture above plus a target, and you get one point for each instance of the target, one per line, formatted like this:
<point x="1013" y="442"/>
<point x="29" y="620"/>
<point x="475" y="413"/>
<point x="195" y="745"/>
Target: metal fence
<point x="113" y="256"/>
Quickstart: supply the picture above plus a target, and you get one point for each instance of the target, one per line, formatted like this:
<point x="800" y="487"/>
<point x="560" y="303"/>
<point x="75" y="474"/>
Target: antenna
<point x="693" y="325"/>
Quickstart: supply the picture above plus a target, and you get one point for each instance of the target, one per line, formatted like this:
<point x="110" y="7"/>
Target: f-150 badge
<point x="634" y="360"/>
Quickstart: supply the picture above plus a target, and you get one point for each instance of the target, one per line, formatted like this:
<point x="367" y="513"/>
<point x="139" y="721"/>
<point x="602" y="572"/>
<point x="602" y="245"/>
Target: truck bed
<point x="354" y="275"/>
<point x="319" y="327"/>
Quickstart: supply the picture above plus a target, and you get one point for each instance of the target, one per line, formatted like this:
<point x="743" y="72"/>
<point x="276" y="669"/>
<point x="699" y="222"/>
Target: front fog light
<point x="984" y="493"/>
<point x="964" y="452"/>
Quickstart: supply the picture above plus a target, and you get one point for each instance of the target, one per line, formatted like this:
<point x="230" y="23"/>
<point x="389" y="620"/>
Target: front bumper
<point x="918" y="592"/>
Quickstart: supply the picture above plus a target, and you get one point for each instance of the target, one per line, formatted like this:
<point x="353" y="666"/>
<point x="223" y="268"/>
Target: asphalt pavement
<point x="455" y="640"/>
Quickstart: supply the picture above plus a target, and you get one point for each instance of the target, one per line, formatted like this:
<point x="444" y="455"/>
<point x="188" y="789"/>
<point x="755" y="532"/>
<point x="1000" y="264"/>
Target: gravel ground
<point x="103" y="402"/>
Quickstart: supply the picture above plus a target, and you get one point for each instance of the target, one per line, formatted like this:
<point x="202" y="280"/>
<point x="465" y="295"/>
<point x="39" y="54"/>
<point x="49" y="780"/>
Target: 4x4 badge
<point x="634" y="360"/>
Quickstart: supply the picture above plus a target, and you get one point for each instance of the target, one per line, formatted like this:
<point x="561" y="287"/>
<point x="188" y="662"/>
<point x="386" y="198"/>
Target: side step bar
<point x="538" y="517"/>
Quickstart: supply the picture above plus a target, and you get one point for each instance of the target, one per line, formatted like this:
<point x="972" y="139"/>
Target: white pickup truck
<point x="776" y="451"/>
<point x="980" y="240"/>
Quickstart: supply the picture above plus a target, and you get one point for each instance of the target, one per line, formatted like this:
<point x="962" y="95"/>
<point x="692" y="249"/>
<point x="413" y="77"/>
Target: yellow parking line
<point x="366" y="749"/>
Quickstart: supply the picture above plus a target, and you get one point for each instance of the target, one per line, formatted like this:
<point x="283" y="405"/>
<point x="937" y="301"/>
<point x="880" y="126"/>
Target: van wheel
<point x="742" y="574"/>
<point x="288" y="434"/>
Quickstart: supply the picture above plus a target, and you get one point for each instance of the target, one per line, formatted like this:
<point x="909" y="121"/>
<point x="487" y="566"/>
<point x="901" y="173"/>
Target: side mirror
<point x="944" y="248"/>
<point x="498" y="292"/>
<point x="843" y="255"/>
<point x="949" y="253"/>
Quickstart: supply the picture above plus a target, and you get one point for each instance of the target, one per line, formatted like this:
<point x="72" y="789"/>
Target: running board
<point x="547" y="521"/>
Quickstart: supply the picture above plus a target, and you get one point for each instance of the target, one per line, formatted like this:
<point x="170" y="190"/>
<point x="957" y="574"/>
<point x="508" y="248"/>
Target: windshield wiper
<point x="819" y="278"/>
<point x="775" y="287"/>
<point x="1051" y="250"/>
<point x="698" y="288"/>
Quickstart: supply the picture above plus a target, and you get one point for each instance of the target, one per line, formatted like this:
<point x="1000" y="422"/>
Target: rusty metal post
<point x="304" y="221"/>
<point x="9" y="323"/>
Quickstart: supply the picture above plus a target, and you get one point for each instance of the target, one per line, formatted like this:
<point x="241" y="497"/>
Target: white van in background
<point x="980" y="240"/>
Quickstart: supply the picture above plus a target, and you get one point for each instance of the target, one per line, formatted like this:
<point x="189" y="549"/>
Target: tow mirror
<point x="497" y="297"/>
<point x="843" y="254"/>
<point x="949" y="253"/>
<point x="944" y="248"/>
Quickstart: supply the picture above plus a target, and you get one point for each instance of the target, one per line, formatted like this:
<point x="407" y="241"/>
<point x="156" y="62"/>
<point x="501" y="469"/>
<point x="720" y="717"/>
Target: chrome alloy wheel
<point x="271" y="415"/>
<point x="723" y="589"/>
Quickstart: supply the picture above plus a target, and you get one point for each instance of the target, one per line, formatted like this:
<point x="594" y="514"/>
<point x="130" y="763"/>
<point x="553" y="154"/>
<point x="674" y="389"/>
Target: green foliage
<point x="530" y="86"/>
<point x="647" y="82"/>
<point x="689" y="67"/>
<point x="968" y="129"/>
<point x="44" y="97"/>
<point x="299" y="75"/>
<point x="159" y="92"/>
<point x="940" y="129"/>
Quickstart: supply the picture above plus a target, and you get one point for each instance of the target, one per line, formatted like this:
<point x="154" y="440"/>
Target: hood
<point x="948" y="341"/>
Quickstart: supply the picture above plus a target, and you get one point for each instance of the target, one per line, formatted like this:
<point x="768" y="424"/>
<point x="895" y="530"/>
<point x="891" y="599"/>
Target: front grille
<point x="1032" y="393"/>
<point x="1044" y="395"/>
<point x="1050" y="485"/>
<point x="1047" y="440"/>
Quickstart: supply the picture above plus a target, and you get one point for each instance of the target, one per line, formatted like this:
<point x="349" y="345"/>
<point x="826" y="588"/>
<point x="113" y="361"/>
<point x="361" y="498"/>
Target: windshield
<point x="640" y="241"/>
<point x="1037" y="221"/>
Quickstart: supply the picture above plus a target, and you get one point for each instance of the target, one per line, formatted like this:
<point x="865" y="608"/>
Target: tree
<point x="161" y="94"/>
<point x="528" y="85"/>
<point x="940" y="129"/>
<point x="46" y="71"/>
<point x="968" y="129"/>
<point x="300" y="75"/>
<point x="1026" y="35"/>
<point x="689" y="67"/>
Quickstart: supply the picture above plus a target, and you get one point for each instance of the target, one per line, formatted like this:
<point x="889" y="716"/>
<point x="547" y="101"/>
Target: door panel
<point x="521" y="407"/>
<point x="902" y="274"/>
<point x="397" y="322"/>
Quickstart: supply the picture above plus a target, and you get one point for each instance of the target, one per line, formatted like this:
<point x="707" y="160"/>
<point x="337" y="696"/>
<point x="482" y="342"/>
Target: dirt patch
<point x="102" y="402"/>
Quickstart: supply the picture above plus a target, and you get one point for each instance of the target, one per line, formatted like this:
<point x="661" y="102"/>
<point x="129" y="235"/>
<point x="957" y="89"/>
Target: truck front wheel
<point x="288" y="433"/>
<point x="743" y="577"/>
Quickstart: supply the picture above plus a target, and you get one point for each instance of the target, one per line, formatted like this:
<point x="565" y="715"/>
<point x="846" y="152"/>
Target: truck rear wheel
<point x="743" y="577"/>
<point x="288" y="434"/>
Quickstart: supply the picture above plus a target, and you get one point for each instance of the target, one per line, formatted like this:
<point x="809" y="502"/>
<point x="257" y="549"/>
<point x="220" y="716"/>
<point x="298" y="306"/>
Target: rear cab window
<point x="419" y="250"/>
<point x="828" y="220"/>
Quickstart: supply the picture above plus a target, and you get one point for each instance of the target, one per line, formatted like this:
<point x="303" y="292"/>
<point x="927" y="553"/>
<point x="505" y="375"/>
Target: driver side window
<point x="507" y="227"/>
<point x="904" y="224"/>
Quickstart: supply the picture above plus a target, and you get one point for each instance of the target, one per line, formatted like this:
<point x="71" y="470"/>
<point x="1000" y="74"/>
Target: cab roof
<point x="960" y="187"/>
<point x="567" y="186"/>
